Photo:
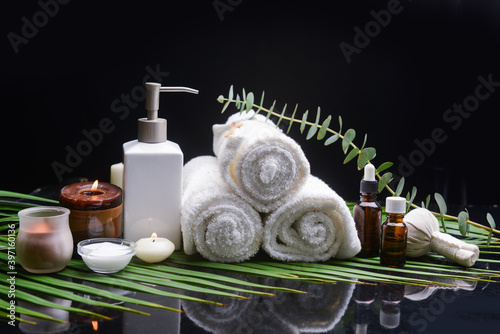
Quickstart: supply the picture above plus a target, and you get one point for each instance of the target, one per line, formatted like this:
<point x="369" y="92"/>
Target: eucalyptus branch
<point x="364" y="154"/>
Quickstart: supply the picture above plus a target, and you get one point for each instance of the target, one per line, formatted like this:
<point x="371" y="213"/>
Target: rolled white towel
<point x="424" y="236"/>
<point x="261" y="163"/>
<point x="216" y="222"/>
<point x="315" y="225"/>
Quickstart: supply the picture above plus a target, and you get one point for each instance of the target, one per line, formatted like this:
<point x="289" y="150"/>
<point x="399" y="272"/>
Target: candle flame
<point x="94" y="186"/>
<point x="95" y="325"/>
<point x="154" y="235"/>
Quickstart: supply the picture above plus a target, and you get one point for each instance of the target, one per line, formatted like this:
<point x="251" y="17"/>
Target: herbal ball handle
<point x="454" y="249"/>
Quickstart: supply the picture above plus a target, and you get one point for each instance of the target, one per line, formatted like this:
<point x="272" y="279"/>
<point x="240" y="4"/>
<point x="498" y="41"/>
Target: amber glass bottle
<point x="394" y="234"/>
<point x="367" y="214"/>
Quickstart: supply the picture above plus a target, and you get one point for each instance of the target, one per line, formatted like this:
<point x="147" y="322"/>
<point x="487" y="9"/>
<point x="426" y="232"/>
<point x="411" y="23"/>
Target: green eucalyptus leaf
<point x="312" y="131"/>
<point x="281" y="115"/>
<point x="261" y="103"/>
<point x="304" y="120"/>
<point x="230" y="94"/>
<point x="340" y="124"/>
<point x="364" y="142"/>
<point x="225" y="106"/>
<point x="467" y="226"/>
<point x="411" y="198"/>
<point x="292" y="118"/>
<point x="384" y="166"/>
<point x="399" y="188"/>
<point x="427" y="201"/>
<point x="220" y="99"/>
<point x="442" y="208"/>
<point x="324" y="127"/>
<point x="365" y="156"/>
<point x="490" y="220"/>
<point x="269" y="113"/>
<point x="462" y="222"/>
<point x="348" y="138"/>
<point x="351" y="155"/>
<point x="314" y="127"/>
<point x="238" y="102"/>
<point x="384" y="180"/>
<point x="249" y="101"/>
<point x="441" y="203"/>
<point x="331" y="140"/>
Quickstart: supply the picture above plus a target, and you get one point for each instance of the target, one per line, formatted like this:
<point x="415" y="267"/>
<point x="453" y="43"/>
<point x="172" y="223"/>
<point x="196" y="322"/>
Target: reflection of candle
<point x="154" y="249"/>
<point x="96" y="209"/>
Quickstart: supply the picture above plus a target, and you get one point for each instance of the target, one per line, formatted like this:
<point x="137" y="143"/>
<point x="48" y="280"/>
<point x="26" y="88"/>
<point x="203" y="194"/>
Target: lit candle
<point x="44" y="243"/>
<point x="154" y="249"/>
<point x="96" y="209"/>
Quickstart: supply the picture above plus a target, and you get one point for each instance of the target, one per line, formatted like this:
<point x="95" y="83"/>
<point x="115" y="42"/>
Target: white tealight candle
<point x="154" y="249"/>
<point x="105" y="256"/>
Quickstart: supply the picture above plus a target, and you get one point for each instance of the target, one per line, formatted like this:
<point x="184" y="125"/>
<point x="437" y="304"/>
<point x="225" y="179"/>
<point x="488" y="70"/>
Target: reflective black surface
<point x="325" y="308"/>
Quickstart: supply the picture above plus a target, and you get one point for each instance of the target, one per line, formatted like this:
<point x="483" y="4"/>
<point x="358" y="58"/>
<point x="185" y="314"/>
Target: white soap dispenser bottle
<point x="152" y="180"/>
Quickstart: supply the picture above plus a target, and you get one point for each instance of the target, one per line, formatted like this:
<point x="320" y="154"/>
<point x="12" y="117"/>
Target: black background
<point x="64" y="80"/>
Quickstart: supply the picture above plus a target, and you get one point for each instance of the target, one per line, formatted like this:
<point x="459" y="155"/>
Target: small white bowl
<point x="106" y="255"/>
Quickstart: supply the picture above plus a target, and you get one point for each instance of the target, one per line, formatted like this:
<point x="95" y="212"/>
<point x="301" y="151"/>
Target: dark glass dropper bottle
<point x="367" y="214"/>
<point x="394" y="233"/>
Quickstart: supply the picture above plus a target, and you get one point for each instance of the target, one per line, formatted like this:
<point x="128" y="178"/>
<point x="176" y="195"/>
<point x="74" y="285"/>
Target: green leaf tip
<point x="490" y="220"/>
<point x="331" y="140"/>
<point x="348" y="138"/>
<point x="401" y="185"/>
<point x="249" y="101"/>
<point x="462" y="223"/>
<point x="351" y="155"/>
<point x="365" y="156"/>
<point x="442" y="208"/>
<point x="384" y="180"/>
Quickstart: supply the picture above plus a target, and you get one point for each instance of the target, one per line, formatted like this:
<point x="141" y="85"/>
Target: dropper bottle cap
<point x="369" y="185"/>
<point x="152" y="129"/>
<point x="395" y="204"/>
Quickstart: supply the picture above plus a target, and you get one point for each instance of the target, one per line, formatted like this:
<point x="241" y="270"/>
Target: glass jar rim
<point x="44" y="212"/>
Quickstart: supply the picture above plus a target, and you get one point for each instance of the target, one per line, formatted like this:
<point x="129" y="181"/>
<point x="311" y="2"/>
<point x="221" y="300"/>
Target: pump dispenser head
<point x="369" y="185"/>
<point x="152" y="129"/>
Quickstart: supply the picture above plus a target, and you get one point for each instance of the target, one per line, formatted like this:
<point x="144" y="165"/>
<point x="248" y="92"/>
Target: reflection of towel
<point x="261" y="163"/>
<point x="238" y="316"/>
<point x="315" y="225"/>
<point x="424" y="235"/>
<point x="215" y="222"/>
<point x="318" y="310"/>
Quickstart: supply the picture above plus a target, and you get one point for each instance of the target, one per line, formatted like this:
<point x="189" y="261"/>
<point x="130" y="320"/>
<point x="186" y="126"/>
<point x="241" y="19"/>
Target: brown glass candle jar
<point x="96" y="210"/>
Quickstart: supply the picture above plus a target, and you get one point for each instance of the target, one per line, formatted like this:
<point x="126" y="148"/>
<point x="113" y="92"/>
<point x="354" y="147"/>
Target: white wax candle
<point x="117" y="175"/>
<point x="106" y="257"/>
<point x="154" y="249"/>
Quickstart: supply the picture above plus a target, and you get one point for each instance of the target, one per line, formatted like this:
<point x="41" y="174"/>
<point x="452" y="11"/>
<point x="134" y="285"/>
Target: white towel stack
<point x="259" y="169"/>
